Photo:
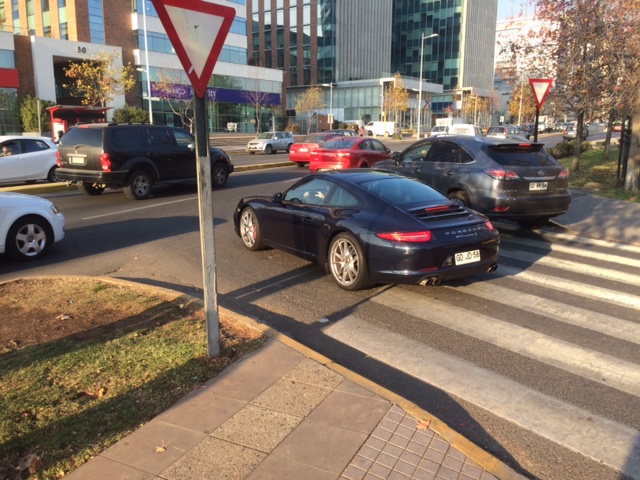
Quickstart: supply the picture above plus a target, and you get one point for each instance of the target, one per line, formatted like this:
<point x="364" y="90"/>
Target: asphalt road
<point x="519" y="361"/>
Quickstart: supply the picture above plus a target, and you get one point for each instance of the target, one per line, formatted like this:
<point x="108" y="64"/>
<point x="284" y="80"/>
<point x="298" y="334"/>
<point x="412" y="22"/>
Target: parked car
<point x="617" y="126"/>
<point x="299" y="152"/>
<point x="29" y="225"/>
<point x="465" y="129"/>
<point x="439" y="130"/>
<point x="346" y="132"/>
<point x="348" y="152"/>
<point x="507" y="131"/>
<point x="134" y="157"/>
<point x="501" y="178"/>
<point x="570" y="132"/>
<point x="27" y="159"/>
<point x="367" y="227"/>
<point x="271" y="142"/>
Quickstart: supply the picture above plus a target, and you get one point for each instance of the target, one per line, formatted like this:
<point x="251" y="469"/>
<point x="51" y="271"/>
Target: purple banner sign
<point x="185" y="92"/>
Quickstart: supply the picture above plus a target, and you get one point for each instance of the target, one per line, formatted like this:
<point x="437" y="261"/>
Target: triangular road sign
<point x="540" y="87"/>
<point x="197" y="30"/>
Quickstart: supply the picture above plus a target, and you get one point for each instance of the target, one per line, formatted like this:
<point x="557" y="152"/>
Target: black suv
<point x="133" y="157"/>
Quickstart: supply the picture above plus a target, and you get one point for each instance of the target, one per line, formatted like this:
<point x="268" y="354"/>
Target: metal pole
<point x="207" y="244"/>
<point x="420" y="87"/>
<point x="146" y="58"/>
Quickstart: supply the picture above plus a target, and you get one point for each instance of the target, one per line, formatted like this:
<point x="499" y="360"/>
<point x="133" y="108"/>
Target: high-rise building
<point x="39" y="39"/>
<point x="356" y="46"/>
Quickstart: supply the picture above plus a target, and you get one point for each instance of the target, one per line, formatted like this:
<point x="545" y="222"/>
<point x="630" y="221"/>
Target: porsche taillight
<point x="406" y="237"/>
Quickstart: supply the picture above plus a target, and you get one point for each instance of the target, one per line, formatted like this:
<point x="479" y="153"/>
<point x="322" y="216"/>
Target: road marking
<point x="570" y="266"/>
<point x="579" y="317"/>
<point x="146" y="207"/>
<point x="594" y="366"/>
<point x="596" y="437"/>
<point x="593" y="241"/>
<point x="569" y="286"/>
<point x="577" y="251"/>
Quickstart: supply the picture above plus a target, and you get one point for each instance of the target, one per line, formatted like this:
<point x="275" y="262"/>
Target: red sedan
<point x="348" y="152"/>
<point x="300" y="151"/>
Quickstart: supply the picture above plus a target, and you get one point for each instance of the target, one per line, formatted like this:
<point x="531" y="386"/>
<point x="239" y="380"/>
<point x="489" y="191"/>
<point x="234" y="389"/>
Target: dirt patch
<point x="37" y="311"/>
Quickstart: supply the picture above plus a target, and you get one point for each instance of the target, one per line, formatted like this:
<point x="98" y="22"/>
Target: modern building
<point x="355" y="46"/>
<point x="39" y="39"/>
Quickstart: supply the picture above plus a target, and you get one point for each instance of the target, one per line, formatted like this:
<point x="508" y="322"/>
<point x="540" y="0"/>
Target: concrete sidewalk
<point x="286" y="412"/>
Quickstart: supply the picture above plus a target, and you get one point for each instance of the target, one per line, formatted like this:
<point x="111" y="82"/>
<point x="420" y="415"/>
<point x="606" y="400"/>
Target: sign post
<point x="540" y="88"/>
<point x="197" y="30"/>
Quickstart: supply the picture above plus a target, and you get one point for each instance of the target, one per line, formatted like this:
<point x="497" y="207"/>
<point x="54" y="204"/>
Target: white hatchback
<point x="29" y="225"/>
<point x="27" y="159"/>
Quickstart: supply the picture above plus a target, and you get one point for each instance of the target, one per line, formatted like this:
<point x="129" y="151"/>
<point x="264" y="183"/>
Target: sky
<point x="512" y="8"/>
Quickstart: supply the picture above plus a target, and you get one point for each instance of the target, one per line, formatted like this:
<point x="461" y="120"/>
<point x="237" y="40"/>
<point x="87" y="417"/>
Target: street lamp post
<point x="420" y="87"/>
<point x="330" y="85"/>
<point x="146" y="58"/>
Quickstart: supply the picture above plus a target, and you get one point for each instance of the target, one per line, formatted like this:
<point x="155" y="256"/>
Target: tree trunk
<point x="632" y="179"/>
<point x="575" y="164"/>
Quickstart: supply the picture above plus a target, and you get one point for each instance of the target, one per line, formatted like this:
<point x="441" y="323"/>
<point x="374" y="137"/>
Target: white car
<point x="271" y="142"/>
<point x="27" y="159"/>
<point x="29" y="225"/>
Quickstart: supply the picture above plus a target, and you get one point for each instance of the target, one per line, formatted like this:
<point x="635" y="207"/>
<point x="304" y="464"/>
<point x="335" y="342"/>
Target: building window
<point x="7" y="59"/>
<point x="96" y="21"/>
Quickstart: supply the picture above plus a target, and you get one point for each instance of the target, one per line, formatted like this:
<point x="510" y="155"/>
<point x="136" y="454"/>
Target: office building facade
<point x="39" y="38"/>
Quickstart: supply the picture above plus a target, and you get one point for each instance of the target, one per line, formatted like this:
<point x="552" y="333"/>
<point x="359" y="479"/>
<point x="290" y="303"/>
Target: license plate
<point x="467" y="257"/>
<point x="304" y="149"/>
<point x="538" y="186"/>
<point x="76" y="160"/>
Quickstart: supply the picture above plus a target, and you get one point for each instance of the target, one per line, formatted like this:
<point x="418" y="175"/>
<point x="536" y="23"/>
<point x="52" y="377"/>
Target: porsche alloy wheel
<point x="250" y="230"/>
<point x="347" y="263"/>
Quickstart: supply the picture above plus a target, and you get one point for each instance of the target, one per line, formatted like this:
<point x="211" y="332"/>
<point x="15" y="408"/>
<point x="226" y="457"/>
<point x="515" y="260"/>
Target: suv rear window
<point x="525" y="155"/>
<point x="91" y="137"/>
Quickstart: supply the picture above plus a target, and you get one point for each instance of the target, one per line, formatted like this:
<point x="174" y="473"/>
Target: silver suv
<point x="271" y="142"/>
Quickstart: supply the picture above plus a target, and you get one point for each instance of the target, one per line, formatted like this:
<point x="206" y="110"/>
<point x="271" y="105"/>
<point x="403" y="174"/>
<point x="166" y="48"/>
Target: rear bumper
<point x="522" y="206"/>
<point x="116" y="178"/>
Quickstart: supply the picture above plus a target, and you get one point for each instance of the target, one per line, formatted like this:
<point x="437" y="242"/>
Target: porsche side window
<point x="310" y="193"/>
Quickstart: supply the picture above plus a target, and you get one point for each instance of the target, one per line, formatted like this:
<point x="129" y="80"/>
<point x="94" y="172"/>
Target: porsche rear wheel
<point x="347" y="264"/>
<point x="250" y="231"/>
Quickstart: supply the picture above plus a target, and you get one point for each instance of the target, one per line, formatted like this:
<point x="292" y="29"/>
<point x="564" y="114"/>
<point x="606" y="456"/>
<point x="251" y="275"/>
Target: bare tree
<point x="178" y="95"/>
<point x="310" y="101"/>
<point x="98" y="80"/>
<point x="256" y="97"/>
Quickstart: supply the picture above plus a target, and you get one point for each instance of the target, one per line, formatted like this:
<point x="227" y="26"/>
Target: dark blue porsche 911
<point x="367" y="227"/>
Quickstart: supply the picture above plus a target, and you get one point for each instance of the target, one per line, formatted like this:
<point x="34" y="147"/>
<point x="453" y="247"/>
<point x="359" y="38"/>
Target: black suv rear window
<point x="91" y="137"/>
<point x="524" y="155"/>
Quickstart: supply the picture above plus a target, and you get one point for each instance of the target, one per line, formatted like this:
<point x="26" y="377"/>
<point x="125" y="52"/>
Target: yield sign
<point x="197" y="30"/>
<point x="540" y="87"/>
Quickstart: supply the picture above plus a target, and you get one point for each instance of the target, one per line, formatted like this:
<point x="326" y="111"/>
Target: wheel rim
<point x="248" y="228"/>
<point x="31" y="240"/>
<point x="218" y="175"/>
<point x="141" y="185"/>
<point x="345" y="263"/>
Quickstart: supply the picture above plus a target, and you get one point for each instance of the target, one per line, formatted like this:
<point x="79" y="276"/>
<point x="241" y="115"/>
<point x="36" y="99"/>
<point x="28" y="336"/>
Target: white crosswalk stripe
<point x="600" y="438"/>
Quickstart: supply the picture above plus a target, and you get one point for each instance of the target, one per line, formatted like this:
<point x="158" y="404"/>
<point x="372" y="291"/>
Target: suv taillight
<point x="58" y="159"/>
<point x="105" y="162"/>
<point x="564" y="173"/>
<point x="501" y="174"/>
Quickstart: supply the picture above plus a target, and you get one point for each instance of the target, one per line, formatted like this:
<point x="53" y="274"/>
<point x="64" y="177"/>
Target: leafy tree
<point x="29" y="114"/>
<point x="309" y="101"/>
<point x="397" y="99"/>
<point x="98" y="80"/>
<point x="129" y="114"/>
<point x="180" y="104"/>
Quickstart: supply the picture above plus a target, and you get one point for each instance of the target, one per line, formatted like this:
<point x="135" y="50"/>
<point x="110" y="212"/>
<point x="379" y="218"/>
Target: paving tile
<point x="203" y="413"/>
<point x="279" y="468"/>
<point x="420" y="474"/>
<point x="310" y="371"/>
<point x="471" y="470"/>
<point x="257" y="427"/>
<point x="290" y="396"/>
<point x="95" y="470"/>
<point x="215" y="458"/>
<point x="452" y="463"/>
<point x="321" y="445"/>
<point x="138" y="449"/>
<point x="447" y="474"/>
<point x="256" y="372"/>
<point x="351" y="411"/>
<point x="353" y="473"/>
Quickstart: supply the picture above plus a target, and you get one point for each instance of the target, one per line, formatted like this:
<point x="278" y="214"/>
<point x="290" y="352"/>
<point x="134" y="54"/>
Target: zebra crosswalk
<point x="605" y="309"/>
